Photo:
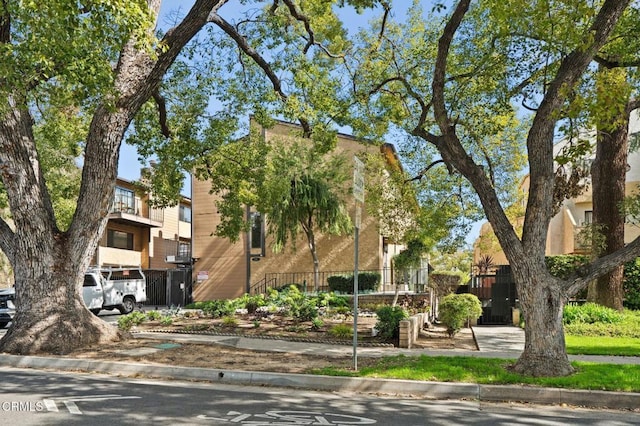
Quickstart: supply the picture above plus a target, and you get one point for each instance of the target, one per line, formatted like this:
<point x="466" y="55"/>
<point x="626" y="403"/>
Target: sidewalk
<point x="493" y="342"/>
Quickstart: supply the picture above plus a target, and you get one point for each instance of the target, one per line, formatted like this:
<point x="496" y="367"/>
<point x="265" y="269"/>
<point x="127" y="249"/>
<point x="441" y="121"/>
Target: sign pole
<point x="358" y="194"/>
<point x="355" y="294"/>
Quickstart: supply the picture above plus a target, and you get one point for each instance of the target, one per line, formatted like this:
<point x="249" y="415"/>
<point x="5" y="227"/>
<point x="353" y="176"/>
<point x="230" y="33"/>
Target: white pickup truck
<point x="114" y="288"/>
<point x="106" y="288"/>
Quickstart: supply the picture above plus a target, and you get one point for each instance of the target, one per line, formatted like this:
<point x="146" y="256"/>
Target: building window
<point x="125" y="200"/>
<point x="119" y="239"/>
<point x="257" y="233"/>
<point x="185" y="213"/>
<point x="588" y="217"/>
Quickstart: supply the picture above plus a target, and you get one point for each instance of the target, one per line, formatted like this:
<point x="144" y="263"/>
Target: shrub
<point x="305" y="310"/>
<point x="153" y="315"/>
<point x="317" y="324"/>
<point x="388" y="324"/>
<point x="218" y="308"/>
<point x="341" y="331"/>
<point x="330" y="299"/>
<point x="125" y="322"/>
<point x="229" y="321"/>
<point x="632" y="285"/>
<point x="456" y="309"/>
<point x="251" y="302"/>
<point x="367" y="281"/>
<point x="166" y="320"/>
<point x="590" y="313"/>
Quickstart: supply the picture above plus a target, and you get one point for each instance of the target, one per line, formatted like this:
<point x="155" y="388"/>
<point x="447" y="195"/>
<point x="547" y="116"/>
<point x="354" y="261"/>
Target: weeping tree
<point x="305" y="193"/>
<point x="448" y="78"/>
<point x="102" y="66"/>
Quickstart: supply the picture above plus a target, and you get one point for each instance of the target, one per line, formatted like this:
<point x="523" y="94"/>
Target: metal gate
<point x="156" y="287"/>
<point x="168" y="287"/>
<point x="497" y="293"/>
<point x="178" y="287"/>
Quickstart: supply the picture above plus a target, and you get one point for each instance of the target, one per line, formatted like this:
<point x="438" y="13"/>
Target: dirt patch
<point x="158" y="351"/>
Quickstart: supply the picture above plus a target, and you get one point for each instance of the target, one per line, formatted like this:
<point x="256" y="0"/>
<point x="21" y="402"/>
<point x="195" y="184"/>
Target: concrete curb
<point x="432" y="390"/>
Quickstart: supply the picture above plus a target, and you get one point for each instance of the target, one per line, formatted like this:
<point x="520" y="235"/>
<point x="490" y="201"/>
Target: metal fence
<point x="415" y="280"/>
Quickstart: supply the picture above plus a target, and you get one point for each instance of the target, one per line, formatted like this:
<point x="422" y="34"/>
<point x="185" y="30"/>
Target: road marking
<point x="70" y="403"/>
<point x="291" y="418"/>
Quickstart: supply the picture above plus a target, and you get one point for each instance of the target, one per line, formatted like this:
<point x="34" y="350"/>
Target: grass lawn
<point x="602" y="345"/>
<point x="588" y="376"/>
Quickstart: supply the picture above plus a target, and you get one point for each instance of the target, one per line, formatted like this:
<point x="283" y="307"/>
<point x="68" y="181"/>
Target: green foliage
<point x="331" y="300"/>
<point x="565" y="265"/>
<point x="341" y="331"/>
<point x="591" y="313"/>
<point x="367" y="281"/>
<point x="218" y="308"/>
<point x="493" y="371"/>
<point x="459" y="262"/>
<point x="166" y="320"/>
<point x="153" y="315"/>
<point x="229" y="321"/>
<point x="251" y="302"/>
<point x="603" y="345"/>
<point x="317" y="324"/>
<point x="456" y="309"/>
<point x="632" y="285"/>
<point x="388" y="324"/>
<point x="305" y="310"/>
<point x="628" y="327"/>
<point x="303" y="193"/>
<point x="125" y="322"/>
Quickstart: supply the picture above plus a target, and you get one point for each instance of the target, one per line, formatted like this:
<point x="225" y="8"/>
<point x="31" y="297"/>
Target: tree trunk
<point x="544" y="351"/>
<point x="49" y="265"/>
<point x="311" y="241"/>
<point x="608" y="173"/>
<point x="59" y="322"/>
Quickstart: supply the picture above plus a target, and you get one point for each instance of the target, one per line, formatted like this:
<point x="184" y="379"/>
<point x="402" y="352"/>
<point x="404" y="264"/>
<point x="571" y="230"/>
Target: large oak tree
<point x="447" y="84"/>
<point x="99" y="65"/>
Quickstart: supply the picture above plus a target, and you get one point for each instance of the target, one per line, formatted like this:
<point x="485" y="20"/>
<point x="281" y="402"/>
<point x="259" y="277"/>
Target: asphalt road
<point x="32" y="397"/>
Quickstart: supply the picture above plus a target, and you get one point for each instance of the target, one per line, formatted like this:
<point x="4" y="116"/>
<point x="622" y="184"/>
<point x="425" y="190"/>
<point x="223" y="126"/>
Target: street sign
<point x="358" y="179"/>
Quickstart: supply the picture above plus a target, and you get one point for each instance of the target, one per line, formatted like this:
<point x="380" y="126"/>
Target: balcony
<point x="177" y="252"/>
<point x="133" y="214"/>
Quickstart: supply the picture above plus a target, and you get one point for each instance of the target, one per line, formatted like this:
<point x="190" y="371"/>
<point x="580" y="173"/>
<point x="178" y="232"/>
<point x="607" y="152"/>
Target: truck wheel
<point x="3" y="324"/>
<point x="128" y="305"/>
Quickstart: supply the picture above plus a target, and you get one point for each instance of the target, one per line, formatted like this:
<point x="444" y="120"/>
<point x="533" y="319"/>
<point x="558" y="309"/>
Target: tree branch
<point x="242" y="43"/>
<point x="424" y="171"/>
<point x="162" y="114"/>
<point x="297" y="13"/>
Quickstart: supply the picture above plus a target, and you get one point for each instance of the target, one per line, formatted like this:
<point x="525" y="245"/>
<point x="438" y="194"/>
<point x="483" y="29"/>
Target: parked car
<point x="7" y="308"/>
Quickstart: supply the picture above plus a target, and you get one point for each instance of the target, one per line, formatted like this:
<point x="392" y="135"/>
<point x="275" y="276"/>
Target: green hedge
<point x="367" y="281"/>
<point x="564" y="265"/>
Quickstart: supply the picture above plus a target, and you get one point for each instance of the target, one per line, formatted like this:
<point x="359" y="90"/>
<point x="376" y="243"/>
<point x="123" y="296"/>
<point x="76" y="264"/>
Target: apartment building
<point x="225" y="270"/>
<point x="140" y="235"/>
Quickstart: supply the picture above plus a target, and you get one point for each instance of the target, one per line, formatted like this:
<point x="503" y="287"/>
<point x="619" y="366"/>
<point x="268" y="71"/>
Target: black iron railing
<point x="415" y="281"/>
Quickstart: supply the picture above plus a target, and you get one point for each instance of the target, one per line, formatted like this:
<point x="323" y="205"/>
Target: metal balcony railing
<point x="177" y="251"/>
